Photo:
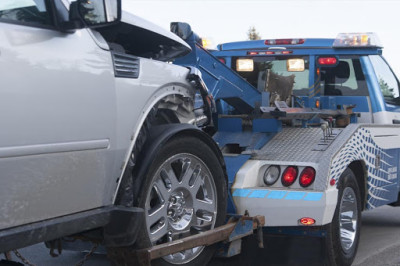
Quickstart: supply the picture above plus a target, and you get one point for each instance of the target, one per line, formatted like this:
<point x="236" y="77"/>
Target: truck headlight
<point x="272" y="174"/>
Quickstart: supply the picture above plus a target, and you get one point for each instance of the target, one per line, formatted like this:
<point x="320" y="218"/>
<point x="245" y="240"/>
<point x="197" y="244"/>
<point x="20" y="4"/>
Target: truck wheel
<point x="184" y="191"/>
<point x="344" y="232"/>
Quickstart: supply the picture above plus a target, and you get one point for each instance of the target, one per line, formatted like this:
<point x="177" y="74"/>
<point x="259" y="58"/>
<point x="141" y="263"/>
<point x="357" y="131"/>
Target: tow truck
<point x="309" y="131"/>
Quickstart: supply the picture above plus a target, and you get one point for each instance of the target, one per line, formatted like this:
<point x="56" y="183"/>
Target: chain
<point x="24" y="260"/>
<point x="81" y="262"/>
<point x="8" y="255"/>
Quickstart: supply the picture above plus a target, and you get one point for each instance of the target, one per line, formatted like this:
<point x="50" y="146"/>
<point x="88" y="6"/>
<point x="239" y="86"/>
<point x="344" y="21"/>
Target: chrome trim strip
<point x="38" y="149"/>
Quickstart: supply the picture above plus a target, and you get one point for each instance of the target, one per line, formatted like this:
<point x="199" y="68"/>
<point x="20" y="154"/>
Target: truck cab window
<point x="388" y="82"/>
<point x="345" y="79"/>
<point x="271" y="72"/>
<point x="25" y="11"/>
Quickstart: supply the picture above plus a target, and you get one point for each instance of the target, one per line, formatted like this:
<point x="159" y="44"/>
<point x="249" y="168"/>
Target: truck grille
<point x="126" y="66"/>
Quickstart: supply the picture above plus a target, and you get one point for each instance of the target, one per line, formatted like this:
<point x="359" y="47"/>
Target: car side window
<point x="33" y="12"/>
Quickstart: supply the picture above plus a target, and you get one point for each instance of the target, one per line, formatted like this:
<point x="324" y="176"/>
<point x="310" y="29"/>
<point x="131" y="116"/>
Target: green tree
<point x="252" y="34"/>
<point x="387" y="91"/>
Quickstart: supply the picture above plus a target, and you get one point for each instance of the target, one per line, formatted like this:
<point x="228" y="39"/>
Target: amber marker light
<point x="364" y="39"/>
<point x="206" y="43"/>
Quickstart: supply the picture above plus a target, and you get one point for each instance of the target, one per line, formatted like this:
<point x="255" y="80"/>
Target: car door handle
<point x="396" y="121"/>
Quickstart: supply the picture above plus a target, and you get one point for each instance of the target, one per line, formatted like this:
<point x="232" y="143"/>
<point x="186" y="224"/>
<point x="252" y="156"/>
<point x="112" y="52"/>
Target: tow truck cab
<point x="349" y="70"/>
<point x="308" y="132"/>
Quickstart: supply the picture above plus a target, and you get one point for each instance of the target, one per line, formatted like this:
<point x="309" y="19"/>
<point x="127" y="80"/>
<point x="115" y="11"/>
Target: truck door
<point x="387" y="86"/>
<point x="57" y="109"/>
<point x="342" y="82"/>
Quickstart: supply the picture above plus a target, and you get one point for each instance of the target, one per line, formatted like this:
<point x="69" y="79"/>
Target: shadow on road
<point x="279" y="250"/>
<point x="383" y="217"/>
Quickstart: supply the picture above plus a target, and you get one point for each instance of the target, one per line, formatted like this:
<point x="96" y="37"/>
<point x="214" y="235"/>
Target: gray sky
<point x="229" y="20"/>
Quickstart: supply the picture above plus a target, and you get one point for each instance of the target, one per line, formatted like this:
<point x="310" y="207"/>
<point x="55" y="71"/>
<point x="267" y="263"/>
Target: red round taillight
<point x="289" y="176"/>
<point x="307" y="177"/>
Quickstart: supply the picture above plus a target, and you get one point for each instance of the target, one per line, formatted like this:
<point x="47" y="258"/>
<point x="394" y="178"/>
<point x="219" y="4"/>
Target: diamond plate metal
<point x="293" y="145"/>
<point x="296" y="145"/>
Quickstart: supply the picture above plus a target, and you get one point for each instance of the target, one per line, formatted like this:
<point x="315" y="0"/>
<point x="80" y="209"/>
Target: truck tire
<point x="184" y="190"/>
<point x="343" y="233"/>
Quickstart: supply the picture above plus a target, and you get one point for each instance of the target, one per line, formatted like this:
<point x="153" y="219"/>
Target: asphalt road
<point x="380" y="245"/>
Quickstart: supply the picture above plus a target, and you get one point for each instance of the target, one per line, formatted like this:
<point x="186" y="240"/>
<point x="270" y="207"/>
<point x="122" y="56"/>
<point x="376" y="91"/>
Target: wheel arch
<point x="159" y="135"/>
<point x="156" y="136"/>
<point x="144" y="121"/>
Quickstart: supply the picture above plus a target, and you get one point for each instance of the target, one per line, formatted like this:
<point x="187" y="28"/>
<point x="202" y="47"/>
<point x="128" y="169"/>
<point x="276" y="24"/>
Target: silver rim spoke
<point x="203" y="205"/>
<point x="169" y="177"/>
<point x="187" y="170"/>
<point x="155" y="215"/>
<point x="159" y="231"/>
<point x="198" y="182"/>
<point x="161" y="190"/>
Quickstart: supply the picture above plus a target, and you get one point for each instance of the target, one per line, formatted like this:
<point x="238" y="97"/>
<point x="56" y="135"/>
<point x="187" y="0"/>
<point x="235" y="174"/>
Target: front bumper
<point x="286" y="207"/>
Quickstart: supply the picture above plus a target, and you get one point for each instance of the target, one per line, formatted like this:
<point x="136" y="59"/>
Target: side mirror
<point x="96" y="13"/>
<point x="182" y="29"/>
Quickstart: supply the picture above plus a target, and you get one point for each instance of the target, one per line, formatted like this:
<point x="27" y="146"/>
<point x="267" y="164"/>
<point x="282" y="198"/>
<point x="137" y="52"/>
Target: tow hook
<point x="260" y="238"/>
<point x="259" y="221"/>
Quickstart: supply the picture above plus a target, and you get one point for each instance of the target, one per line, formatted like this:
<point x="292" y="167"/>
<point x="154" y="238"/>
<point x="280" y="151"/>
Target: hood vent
<point x="126" y="66"/>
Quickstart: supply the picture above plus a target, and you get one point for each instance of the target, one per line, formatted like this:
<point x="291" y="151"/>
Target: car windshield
<point x="12" y="4"/>
<point x="25" y="11"/>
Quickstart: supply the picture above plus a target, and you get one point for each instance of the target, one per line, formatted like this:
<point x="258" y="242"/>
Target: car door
<point x="57" y="110"/>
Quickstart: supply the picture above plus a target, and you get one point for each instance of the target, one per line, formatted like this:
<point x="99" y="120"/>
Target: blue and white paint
<point x="277" y="194"/>
<point x="381" y="165"/>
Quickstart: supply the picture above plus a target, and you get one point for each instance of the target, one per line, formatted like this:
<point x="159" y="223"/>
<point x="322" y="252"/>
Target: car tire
<point x="184" y="189"/>
<point x="343" y="233"/>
